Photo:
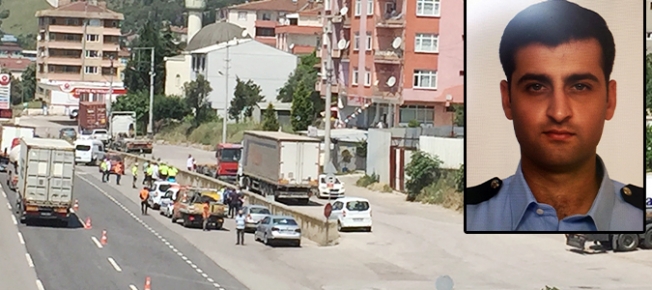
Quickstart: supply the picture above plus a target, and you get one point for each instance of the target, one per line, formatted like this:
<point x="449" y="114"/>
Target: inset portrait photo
<point x="555" y="116"/>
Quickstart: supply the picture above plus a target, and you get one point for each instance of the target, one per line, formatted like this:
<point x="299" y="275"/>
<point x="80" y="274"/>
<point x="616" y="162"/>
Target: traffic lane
<point x="165" y="247"/>
<point x="15" y="270"/>
<point x="136" y="250"/>
<point x="178" y="155"/>
<point x="308" y="267"/>
<point x="64" y="257"/>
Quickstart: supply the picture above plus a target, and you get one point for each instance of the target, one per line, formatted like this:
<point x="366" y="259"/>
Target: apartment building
<point x="261" y="18"/>
<point x="397" y="60"/>
<point x="79" y="56"/>
<point x="302" y="32"/>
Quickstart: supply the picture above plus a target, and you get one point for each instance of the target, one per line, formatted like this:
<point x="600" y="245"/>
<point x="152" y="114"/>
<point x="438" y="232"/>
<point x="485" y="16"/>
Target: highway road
<point x="411" y="245"/>
<point x="74" y="257"/>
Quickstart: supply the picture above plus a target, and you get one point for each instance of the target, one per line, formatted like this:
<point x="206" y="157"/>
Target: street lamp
<point x="152" y="73"/>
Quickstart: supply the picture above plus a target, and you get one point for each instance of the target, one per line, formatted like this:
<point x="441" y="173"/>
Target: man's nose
<point x="559" y="108"/>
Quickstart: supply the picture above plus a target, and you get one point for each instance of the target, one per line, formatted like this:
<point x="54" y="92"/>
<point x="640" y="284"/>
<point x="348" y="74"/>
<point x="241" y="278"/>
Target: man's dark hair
<point x="552" y="23"/>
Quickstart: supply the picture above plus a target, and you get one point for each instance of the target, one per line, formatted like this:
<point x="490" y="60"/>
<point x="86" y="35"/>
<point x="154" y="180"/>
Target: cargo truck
<point x="92" y="116"/>
<point x="10" y="133"/>
<point x="280" y="165"/>
<point x="123" y="134"/>
<point x="46" y="174"/>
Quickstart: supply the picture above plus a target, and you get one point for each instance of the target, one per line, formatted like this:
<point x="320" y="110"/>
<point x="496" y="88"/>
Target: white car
<point x="167" y="201"/>
<point x="352" y="213"/>
<point x="157" y="191"/>
<point x="332" y="188"/>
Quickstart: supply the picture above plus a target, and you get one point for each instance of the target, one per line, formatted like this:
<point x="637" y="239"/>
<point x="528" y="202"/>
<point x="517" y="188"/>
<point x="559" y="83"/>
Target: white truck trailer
<point x="280" y="165"/>
<point x="46" y="174"/>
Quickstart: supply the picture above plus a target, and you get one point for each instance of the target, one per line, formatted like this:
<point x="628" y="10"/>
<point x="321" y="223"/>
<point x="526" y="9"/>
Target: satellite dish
<point x="344" y="10"/>
<point x="391" y="81"/>
<point x="245" y="33"/>
<point x="291" y="45"/>
<point x="341" y="44"/>
<point x="397" y="42"/>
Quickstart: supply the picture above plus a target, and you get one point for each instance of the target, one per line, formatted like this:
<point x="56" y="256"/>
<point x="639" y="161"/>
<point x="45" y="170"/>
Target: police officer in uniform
<point x="558" y="94"/>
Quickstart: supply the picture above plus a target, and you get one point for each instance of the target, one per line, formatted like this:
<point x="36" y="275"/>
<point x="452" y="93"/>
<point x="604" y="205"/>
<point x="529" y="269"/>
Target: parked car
<point x="352" y="213"/>
<point x="253" y="214"/>
<point x="275" y="229"/>
<point x="167" y="201"/>
<point x="73" y="114"/>
<point x="157" y="191"/>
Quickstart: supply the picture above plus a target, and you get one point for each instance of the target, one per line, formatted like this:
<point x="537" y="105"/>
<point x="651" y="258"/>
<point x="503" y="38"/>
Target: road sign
<point x="328" y="209"/>
<point x="330" y="181"/>
<point x="5" y="91"/>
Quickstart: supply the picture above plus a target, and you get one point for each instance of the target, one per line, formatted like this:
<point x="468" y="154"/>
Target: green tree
<point x="28" y="83"/>
<point x="245" y="97"/>
<point x="304" y="73"/>
<point x="648" y="148"/>
<point x="270" y="122"/>
<point x="4" y="14"/>
<point x="170" y="107"/>
<point x="197" y="93"/>
<point x="648" y="81"/>
<point x="423" y="170"/>
<point x="16" y="92"/>
<point x="302" y="112"/>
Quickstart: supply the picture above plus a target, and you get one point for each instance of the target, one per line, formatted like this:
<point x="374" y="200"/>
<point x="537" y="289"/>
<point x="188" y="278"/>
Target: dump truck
<point x="280" y="165"/>
<point x="123" y="134"/>
<point x="45" y="181"/>
<point x="228" y="157"/>
<point x="189" y="204"/>
<point x="92" y="116"/>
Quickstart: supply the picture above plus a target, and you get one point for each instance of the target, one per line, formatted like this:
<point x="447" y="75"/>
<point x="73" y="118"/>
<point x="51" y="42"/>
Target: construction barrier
<point x="313" y="228"/>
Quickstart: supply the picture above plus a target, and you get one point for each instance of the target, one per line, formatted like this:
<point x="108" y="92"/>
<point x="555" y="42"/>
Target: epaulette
<point x="482" y="192"/>
<point x="633" y="195"/>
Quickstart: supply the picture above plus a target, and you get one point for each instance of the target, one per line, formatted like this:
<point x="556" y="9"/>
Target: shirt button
<point x="539" y="211"/>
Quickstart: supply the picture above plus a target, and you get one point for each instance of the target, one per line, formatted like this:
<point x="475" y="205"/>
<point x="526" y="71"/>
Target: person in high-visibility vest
<point x="163" y="171"/>
<point x="118" y="172"/>
<point x="145" y="166"/>
<point x="148" y="175"/>
<point x="172" y="174"/>
<point x="144" y="195"/>
<point x="103" y="169"/>
<point x="134" y="173"/>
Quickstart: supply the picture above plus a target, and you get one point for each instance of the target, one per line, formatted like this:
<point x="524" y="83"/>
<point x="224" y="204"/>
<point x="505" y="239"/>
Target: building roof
<point x="179" y="29"/>
<point x="9" y="46"/>
<point x="215" y="33"/>
<point x="221" y="45"/>
<point x="303" y="49"/>
<point x="314" y="11"/>
<point x="87" y="10"/>
<point x="272" y="5"/>
<point x="14" y="63"/>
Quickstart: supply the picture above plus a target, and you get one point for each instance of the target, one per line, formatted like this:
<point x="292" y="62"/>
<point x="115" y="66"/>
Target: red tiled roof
<point x="14" y="64"/>
<point x="272" y="5"/>
<point x="315" y="11"/>
<point x="10" y="47"/>
<point x="303" y="49"/>
<point x="179" y="29"/>
<point x="81" y="6"/>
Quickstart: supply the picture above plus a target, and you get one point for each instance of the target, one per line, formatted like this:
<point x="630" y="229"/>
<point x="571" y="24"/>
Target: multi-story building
<point x="261" y="18"/>
<point x="401" y="59"/>
<point x="79" y="57"/>
<point x="302" y="32"/>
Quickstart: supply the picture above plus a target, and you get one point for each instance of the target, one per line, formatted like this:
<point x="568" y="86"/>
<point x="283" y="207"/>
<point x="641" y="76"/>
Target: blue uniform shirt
<point x="514" y="208"/>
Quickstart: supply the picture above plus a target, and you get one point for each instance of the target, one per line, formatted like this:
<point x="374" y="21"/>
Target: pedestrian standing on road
<point x="134" y="173"/>
<point x="103" y="170"/>
<point x="233" y="204"/>
<point x="205" y="215"/>
<point x="239" y="202"/>
<point x="240" y="227"/>
<point x="155" y="171"/>
<point x="118" y="172"/>
<point x="144" y="195"/>
<point x="189" y="163"/>
<point x="145" y="167"/>
<point x="163" y="171"/>
<point x="172" y="174"/>
<point x="107" y="172"/>
<point x="148" y="176"/>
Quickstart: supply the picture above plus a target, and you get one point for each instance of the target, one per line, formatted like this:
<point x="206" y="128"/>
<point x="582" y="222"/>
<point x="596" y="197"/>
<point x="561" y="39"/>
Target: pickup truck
<point x="189" y="203"/>
<point x="123" y="136"/>
<point x="101" y="135"/>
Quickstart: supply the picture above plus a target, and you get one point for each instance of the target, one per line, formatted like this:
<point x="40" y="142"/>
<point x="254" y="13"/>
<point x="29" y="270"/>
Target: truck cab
<point x="228" y="157"/>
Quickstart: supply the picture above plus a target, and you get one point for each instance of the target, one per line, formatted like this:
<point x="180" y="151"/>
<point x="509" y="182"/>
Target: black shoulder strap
<point x="634" y="195"/>
<point x="483" y="192"/>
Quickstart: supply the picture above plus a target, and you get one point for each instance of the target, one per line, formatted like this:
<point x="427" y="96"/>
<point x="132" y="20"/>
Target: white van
<point x="352" y="213"/>
<point x="88" y="150"/>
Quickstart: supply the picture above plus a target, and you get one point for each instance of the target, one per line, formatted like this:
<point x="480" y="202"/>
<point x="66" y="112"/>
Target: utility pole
<point x="328" y="29"/>
<point x="226" y="94"/>
<point x="110" y="98"/>
<point x="84" y="38"/>
<point x="152" y="74"/>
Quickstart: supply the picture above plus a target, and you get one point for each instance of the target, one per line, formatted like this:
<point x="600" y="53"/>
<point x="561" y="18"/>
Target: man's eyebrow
<point x="581" y="77"/>
<point x="542" y="78"/>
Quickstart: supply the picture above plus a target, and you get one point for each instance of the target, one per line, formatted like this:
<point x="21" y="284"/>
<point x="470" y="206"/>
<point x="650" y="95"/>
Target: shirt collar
<point x="521" y="198"/>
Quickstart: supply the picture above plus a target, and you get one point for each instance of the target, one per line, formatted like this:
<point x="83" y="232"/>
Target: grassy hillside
<point x="21" y="16"/>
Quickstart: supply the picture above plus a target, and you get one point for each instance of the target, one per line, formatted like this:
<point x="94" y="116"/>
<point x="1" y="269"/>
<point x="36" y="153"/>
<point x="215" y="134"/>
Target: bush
<point x="367" y="180"/>
<point x="443" y="192"/>
<point x="459" y="179"/>
<point x="206" y="134"/>
<point x="422" y="170"/>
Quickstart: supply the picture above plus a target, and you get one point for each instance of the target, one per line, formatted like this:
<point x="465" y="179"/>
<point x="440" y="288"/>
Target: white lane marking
<point x="4" y="194"/>
<point x="115" y="265"/>
<point x="30" y="263"/>
<point x="39" y="285"/>
<point x="179" y="253"/>
<point x="8" y="206"/>
<point x="20" y="238"/>
<point x="13" y="219"/>
<point x="97" y="243"/>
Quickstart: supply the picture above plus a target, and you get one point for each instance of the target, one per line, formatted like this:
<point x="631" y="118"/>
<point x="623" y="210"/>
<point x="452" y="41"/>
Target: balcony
<point x="61" y="76"/>
<point x="112" y="31"/>
<point x="108" y="46"/>
<point x="63" y="60"/>
<point x="396" y="22"/>
<point x="320" y="86"/>
<point x="64" y="44"/>
<point x="65" y="29"/>
<point x="388" y="56"/>
<point x="346" y="24"/>
<point x="266" y="23"/>
<point x="386" y="92"/>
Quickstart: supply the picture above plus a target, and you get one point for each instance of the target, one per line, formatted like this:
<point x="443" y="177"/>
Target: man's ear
<point x="611" y="100"/>
<point x="505" y="99"/>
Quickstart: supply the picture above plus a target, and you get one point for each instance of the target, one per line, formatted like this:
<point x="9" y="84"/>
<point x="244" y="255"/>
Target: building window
<point x="367" y="78"/>
<point x="355" y="75"/>
<point x="425" y="79"/>
<point x="92" y="54"/>
<point x="369" y="41"/>
<point x="266" y="16"/>
<point x="92" y="37"/>
<point x="90" y="70"/>
<point x="428" y="7"/>
<point x="370" y="7"/>
<point x="242" y="15"/>
<point x="358" y="8"/>
<point x="426" y="42"/>
<point x="72" y="21"/>
<point x="356" y="41"/>
<point x="422" y="114"/>
<point x="649" y="36"/>
<point x="94" y="22"/>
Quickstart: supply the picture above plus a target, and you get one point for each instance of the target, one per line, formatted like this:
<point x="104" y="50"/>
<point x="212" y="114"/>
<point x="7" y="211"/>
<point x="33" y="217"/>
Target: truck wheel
<point x="173" y="219"/>
<point x="218" y="225"/>
<point x="647" y="239"/>
<point x="628" y="242"/>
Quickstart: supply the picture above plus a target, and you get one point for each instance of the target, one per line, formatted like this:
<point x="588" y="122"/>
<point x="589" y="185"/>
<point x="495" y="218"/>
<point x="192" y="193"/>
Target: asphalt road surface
<point x="75" y="258"/>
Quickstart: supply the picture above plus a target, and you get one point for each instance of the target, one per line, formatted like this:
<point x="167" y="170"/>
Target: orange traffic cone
<point x="76" y="206"/>
<point x="148" y="284"/>
<point x="88" y="225"/>
<point x="103" y="239"/>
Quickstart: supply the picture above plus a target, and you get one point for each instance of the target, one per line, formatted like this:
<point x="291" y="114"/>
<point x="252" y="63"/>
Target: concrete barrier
<point x="313" y="228"/>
